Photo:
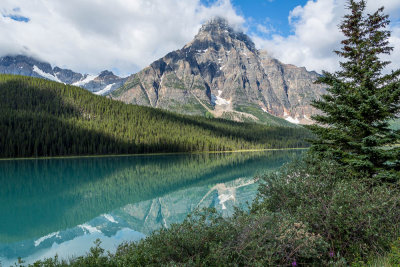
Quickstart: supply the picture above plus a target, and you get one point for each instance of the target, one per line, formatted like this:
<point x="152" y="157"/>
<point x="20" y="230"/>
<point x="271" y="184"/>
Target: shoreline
<point x="154" y="154"/>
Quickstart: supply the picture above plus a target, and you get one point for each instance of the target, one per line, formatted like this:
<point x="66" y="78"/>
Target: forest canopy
<point x="45" y="118"/>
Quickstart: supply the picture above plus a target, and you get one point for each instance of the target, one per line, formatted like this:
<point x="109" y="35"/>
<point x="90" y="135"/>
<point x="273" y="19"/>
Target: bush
<point x="394" y="254"/>
<point x="243" y="240"/>
<point x="95" y="258"/>
<point x="356" y="217"/>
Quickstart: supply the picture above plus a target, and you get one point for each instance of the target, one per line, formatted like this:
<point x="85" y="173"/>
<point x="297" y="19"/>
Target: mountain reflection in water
<point x="60" y="206"/>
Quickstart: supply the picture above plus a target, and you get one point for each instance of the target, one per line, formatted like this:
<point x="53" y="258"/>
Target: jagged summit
<point x="216" y="33"/>
<point x="216" y="24"/>
<point x="220" y="72"/>
<point x="105" y="73"/>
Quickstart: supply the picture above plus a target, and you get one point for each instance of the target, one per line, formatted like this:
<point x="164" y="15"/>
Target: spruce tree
<point x="353" y="126"/>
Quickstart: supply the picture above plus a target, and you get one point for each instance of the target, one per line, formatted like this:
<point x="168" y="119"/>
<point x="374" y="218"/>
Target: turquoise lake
<point x="61" y="206"/>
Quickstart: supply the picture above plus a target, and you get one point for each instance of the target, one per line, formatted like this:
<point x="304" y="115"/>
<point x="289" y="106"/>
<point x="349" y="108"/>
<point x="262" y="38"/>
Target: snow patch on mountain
<point x="45" y="74"/>
<point x="105" y="90"/>
<point x="292" y="120"/>
<point x="263" y="109"/>
<point x="218" y="100"/>
<point x="85" y="80"/>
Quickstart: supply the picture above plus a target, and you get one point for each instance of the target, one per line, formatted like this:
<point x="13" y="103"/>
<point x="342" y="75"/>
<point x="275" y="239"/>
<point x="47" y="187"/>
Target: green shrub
<point x="394" y="255"/>
<point x="243" y="240"/>
<point x="96" y="257"/>
<point x="355" y="217"/>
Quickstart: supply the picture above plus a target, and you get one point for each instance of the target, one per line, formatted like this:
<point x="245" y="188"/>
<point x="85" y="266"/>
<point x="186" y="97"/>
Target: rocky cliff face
<point x="104" y="83"/>
<point x="222" y="73"/>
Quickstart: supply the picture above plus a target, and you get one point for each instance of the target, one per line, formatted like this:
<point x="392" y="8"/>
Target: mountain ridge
<point x="103" y="83"/>
<point x="222" y="73"/>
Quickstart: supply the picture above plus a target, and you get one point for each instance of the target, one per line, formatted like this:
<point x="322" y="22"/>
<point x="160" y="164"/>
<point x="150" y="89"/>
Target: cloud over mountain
<point x="126" y="35"/>
<point x="93" y="35"/>
<point x="316" y="34"/>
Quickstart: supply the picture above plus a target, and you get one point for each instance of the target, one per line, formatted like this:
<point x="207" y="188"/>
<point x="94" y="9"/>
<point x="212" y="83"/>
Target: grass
<point x="264" y="117"/>
<point x="390" y="259"/>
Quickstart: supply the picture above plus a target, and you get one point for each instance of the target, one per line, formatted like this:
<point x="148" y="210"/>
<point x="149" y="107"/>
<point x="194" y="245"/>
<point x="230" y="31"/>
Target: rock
<point x="221" y="72"/>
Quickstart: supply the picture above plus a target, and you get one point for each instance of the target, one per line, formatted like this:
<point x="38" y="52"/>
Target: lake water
<point x="61" y="206"/>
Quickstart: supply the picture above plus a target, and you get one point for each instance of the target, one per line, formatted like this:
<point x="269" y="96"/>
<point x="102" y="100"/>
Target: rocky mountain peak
<point x="216" y="25"/>
<point x="217" y="33"/>
<point x="105" y="73"/>
<point x="220" y="72"/>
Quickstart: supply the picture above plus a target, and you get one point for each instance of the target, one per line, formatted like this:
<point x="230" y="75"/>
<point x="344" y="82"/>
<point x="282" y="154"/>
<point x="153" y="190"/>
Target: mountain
<point x="45" y="118"/>
<point x="104" y="83"/>
<point x="220" y="72"/>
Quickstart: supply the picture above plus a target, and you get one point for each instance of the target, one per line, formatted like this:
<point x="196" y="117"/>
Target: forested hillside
<point x="44" y="118"/>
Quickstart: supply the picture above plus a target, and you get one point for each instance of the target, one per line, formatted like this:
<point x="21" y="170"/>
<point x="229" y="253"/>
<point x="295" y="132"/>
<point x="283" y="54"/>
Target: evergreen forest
<point x="41" y="118"/>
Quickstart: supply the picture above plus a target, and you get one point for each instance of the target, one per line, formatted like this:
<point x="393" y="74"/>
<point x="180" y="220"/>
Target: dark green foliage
<point x="208" y="115"/>
<point x="394" y="254"/>
<point x="355" y="218"/>
<point x="44" y="118"/>
<point x="354" y="126"/>
<point x="206" y="239"/>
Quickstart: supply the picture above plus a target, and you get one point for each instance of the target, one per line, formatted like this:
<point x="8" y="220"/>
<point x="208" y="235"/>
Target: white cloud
<point x="265" y="29"/>
<point x="391" y="6"/>
<point x="316" y="34"/>
<point x="93" y="35"/>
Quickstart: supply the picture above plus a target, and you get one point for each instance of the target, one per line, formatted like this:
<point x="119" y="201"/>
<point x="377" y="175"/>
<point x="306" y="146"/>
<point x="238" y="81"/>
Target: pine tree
<point x="361" y="100"/>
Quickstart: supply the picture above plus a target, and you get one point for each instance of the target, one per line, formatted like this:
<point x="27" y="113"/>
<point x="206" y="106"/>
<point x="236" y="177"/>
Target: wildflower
<point x="331" y="254"/>
<point x="294" y="263"/>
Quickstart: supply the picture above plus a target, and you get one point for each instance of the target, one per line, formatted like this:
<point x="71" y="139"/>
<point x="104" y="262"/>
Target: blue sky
<point x="88" y="36"/>
<point x="273" y="15"/>
<point x="17" y="17"/>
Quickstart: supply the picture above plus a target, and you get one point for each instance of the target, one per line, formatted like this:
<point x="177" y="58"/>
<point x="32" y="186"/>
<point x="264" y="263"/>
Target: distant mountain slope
<point x="104" y="83"/>
<point x="221" y="73"/>
<point x="45" y="118"/>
